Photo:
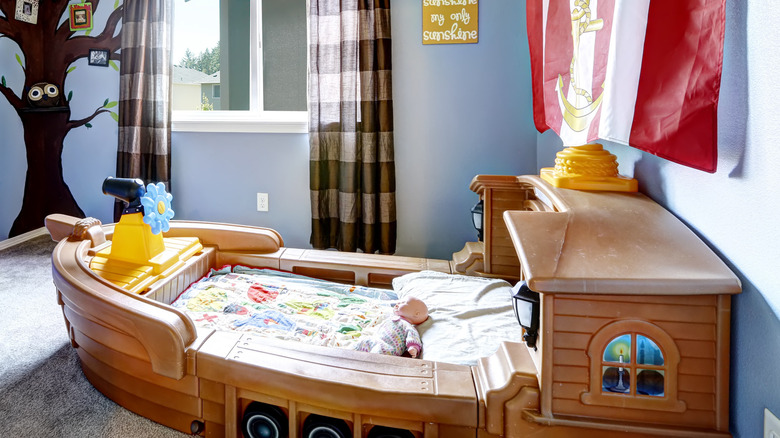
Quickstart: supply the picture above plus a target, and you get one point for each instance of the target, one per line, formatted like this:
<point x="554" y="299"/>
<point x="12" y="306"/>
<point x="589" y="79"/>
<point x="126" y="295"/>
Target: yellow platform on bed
<point x="137" y="257"/>
<point x="136" y="277"/>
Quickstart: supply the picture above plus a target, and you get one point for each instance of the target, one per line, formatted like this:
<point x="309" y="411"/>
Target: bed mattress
<point x="468" y="316"/>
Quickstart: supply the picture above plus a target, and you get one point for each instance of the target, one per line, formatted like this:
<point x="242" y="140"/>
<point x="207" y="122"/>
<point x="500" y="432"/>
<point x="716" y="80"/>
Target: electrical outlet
<point x="262" y="204"/>
<point x="771" y="425"/>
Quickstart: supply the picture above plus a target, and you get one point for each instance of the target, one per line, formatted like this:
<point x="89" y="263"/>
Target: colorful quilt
<point x="286" y="306"/>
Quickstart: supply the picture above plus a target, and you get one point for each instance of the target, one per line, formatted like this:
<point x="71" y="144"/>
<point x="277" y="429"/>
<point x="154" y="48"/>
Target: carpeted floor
<point x="42" y="389"/>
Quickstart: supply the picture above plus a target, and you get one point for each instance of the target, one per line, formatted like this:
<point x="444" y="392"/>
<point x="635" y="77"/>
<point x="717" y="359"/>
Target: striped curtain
<point x="352" y="164"/>
<point x="145" y="92"/>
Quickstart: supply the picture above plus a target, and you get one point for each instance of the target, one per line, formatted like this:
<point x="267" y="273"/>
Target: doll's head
<point x="412" y="309"/>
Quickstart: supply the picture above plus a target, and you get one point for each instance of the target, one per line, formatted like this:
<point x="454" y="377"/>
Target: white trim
<point x="256" y="55"/>
<point x="16" y="240"/>
<point x="240" y="121"/>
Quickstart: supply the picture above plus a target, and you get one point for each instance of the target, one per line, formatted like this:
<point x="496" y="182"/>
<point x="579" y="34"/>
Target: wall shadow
<point x="733" y="105"/>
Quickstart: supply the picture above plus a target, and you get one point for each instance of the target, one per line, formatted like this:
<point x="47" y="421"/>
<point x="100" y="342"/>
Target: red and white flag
<point x="636" y="72"/>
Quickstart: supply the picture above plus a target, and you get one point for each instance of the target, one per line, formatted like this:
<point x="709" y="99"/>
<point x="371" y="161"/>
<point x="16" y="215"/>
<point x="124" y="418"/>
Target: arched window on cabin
<point x="633" y="363"/>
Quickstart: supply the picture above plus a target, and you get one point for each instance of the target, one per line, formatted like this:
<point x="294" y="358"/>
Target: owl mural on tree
<point x="48" y="47"/>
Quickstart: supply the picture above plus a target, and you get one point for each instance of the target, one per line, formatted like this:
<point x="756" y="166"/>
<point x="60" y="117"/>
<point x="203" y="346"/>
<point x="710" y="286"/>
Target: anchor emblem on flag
<point x="581" y="109"/>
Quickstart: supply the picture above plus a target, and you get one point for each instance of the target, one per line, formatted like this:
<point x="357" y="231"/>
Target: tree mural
<point x="48" y="48"/>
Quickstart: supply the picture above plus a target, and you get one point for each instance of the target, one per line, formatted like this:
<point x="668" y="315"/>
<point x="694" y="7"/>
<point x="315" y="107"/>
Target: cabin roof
<point x="600" y="242"/>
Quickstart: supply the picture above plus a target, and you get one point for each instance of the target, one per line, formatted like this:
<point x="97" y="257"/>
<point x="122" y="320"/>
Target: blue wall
<point x="459" y="110"/>
<point x="216" y="177"/>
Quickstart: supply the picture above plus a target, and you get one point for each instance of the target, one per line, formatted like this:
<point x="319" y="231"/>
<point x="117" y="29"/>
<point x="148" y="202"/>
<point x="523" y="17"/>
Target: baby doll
<point x="398" y="334"/>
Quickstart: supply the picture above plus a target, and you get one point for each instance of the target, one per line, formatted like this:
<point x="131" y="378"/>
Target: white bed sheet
<point x="468" y="316"/>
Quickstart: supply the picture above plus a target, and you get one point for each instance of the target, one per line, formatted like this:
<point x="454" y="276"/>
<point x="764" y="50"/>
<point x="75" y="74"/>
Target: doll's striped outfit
<point x="393" y="337"/>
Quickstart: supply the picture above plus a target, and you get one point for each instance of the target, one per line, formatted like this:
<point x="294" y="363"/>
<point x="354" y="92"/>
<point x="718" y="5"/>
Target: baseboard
<point x="7" y="243"/>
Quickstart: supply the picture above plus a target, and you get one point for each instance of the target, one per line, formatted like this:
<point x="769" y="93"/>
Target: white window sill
<point x="240" y="121"/>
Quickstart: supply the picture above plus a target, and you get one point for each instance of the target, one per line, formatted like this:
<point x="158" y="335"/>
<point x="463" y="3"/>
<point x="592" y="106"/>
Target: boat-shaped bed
<point x="612" y="270"/>
<point x="152" y="359"/>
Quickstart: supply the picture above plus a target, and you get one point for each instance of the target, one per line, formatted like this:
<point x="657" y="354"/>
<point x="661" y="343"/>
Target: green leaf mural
<point x="114" y="116"/>
<point x="19" y="60"/>
<point x="105" y="103"/>
<point x="70" y="70"/>
<point x="113" y="65"/>
<point x="109" y="104"/>
<point x="88" y="125"/>
<point x="70" y="95"/>
<point x="2" y="81"/>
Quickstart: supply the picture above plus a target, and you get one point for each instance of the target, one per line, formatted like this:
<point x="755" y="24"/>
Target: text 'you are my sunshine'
<point x="450" y="21"/>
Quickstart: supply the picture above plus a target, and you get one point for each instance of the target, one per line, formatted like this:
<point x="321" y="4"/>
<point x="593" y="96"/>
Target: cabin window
<point x="622" y="374"/>
<point x="633" y="363"/>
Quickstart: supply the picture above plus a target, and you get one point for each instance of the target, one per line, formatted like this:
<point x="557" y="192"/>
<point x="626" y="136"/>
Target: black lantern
<point x="526" y="305"/>
<point x="476" y="218"/>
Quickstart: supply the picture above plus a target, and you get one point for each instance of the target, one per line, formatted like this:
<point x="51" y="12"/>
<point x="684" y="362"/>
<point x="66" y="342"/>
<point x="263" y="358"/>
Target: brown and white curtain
<point x="352" y="164"/>
<point x="145" y="93"/>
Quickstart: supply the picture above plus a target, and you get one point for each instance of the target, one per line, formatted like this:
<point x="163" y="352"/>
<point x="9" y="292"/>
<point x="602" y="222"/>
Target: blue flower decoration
<point x="157" y="207"/>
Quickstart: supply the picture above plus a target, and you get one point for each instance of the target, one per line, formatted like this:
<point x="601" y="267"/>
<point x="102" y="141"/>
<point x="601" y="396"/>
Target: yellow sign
<point x="450" y="21"/>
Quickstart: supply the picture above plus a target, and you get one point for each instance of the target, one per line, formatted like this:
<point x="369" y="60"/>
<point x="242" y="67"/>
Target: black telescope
<point x="129" y="190"/>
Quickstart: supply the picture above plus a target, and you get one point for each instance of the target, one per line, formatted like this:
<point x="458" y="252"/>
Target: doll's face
<point x="412" y="309"/>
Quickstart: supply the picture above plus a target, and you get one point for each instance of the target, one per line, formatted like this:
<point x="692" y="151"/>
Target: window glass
<point x="647" y="352"/>
<point x="235" y="59"/>
<point x="284" y="55"/>
<point x="212" y="55"/>
<point x="619" y="349"/>
<point x="196" y="54"/>
<point x="650" y="382"/>
<point x="616" y="379"/>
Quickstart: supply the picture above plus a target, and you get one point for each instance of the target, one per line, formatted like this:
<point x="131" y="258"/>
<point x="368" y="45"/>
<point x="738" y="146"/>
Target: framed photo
<point x="98" y="57"/>
<point x="27" y="11"/>
<point x="81" y="16"/>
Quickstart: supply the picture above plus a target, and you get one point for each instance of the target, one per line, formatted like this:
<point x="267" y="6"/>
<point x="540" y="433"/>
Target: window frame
<point x="598" y="344"/>
<point x="256" y="119"/>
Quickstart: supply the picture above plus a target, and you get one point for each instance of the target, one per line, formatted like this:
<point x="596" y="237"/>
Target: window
<point x="618" y="366"/>
<point x="215" y="44"/>
<point x="633" y="364"/>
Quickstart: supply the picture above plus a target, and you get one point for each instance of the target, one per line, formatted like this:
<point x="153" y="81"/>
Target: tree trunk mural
<point x="49" y="48"/>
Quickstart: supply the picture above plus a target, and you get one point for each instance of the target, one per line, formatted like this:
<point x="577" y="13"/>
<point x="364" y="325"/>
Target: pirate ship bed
<point x="632" y="315"/>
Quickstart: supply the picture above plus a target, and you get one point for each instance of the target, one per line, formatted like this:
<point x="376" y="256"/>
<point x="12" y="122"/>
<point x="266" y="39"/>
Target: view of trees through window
<point x="220" y="65"/>
<point x="206" y="62"/>
<point x="196" y="55"/>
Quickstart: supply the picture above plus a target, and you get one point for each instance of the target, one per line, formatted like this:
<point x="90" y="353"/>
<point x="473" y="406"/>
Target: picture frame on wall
<point x="455" y="22"/>
<point x="81" y="16"/>
<point x="27" y="11"/>
<point x="98" y="57"/>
